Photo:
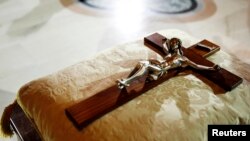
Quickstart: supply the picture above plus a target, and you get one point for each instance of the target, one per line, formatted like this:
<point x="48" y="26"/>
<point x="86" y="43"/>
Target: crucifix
<point x="148" y="74"/>
<point x="174" y="59"/>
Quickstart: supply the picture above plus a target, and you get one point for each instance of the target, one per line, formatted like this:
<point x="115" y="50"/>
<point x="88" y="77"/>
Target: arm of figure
<point x="165" y="46"/>
<point x="201" y="67"/>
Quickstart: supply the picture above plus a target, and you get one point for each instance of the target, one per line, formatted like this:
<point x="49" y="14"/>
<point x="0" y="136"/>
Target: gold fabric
<point x="178" y="109"/>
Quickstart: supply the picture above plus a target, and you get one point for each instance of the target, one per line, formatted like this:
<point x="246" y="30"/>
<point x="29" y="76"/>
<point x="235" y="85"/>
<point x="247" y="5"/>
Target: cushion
<point x="178" y="109"/>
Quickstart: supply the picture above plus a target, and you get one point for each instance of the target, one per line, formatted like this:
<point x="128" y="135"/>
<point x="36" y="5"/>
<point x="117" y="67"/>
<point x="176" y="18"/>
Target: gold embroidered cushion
<point x="178" y="109"/>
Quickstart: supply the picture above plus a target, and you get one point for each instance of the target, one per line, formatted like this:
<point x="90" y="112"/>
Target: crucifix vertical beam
<point x="88" y="110"/>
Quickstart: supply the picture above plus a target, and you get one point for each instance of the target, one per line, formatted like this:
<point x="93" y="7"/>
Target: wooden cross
<point x="220" y="81"/>
<point x="88" y="110"/>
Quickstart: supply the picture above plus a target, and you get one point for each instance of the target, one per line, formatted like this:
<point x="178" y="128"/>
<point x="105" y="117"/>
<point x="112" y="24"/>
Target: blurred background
<point x="39" y="37"/>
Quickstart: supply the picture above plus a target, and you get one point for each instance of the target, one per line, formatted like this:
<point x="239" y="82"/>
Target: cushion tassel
<point x="5" y="129"/>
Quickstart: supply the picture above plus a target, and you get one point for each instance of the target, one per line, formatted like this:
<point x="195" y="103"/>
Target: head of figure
<point x="175" y="46"/>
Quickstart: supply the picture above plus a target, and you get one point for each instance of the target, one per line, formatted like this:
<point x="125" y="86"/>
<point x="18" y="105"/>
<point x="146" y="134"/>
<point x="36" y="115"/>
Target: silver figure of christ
<point x="154" y="69"/>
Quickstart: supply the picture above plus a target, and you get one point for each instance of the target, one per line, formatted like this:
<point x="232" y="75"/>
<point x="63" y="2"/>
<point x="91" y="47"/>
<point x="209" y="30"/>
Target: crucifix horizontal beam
<point x="223" y="78"/>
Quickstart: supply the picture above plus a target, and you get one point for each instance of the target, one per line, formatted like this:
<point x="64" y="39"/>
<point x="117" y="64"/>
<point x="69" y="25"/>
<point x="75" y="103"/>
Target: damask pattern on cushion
<point x="178" y="109"/>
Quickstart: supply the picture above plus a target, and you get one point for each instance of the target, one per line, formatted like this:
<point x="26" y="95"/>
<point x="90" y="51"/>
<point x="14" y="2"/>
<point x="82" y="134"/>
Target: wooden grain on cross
<point x="88" y="110"/>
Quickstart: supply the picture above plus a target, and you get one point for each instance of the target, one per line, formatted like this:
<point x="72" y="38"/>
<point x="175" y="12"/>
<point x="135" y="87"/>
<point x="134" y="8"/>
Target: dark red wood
<point x="223" y="78"/>
<point x="202" y="51"/>
<point x="155" y="42"/>
<point x="88" y="110"/>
